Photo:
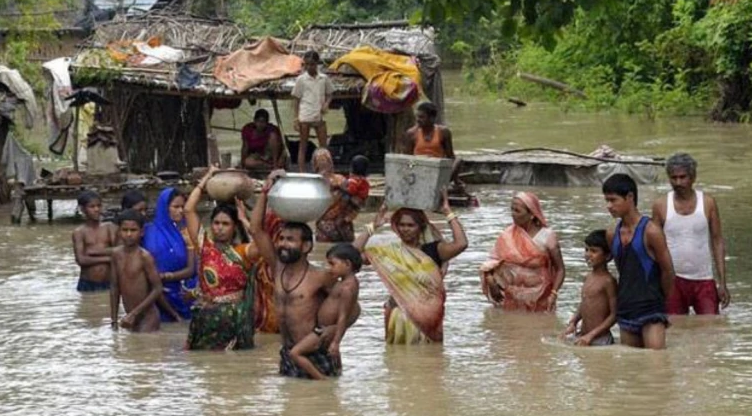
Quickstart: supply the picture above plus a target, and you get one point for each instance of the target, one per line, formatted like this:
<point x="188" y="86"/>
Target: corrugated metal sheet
<point x="131" y="5"/>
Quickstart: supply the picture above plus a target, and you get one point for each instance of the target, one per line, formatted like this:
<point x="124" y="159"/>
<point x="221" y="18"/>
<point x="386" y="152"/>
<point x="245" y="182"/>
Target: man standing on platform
<point x="312" y="94"/>
<point x="692" y="225"/>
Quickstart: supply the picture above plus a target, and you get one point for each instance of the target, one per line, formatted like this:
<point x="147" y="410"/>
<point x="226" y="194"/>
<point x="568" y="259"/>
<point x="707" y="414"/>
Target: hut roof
<point x="335" y="40"/>
<point x="200" y="40"/>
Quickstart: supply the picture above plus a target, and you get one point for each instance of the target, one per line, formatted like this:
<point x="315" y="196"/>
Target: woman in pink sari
<point x="525" y="269"/>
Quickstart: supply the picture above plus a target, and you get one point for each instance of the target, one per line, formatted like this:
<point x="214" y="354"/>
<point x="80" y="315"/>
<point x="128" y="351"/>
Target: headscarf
<point x="163" y="238"/>
<point x="322" y="162"/>
<point x="532" y="203"/>
<point x="429" y="232"/>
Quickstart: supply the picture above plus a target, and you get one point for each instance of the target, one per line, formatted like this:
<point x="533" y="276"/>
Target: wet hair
<point x="682" y="161"/>
<point x="131" y="199"/>
<point x="597" y="239"/>
<point x="359" y="165"/>
<point x="86" y="197"/>
<point x="232" y="212"/>
<point x="306" y="234"/>
<point x="429" y="108"/>
<point x="620" y="184"/>
<point x="347" y="252"/>
<point x="311" y="56"/>
<point x="131" y="215"/>
<point x="261" y="114"/>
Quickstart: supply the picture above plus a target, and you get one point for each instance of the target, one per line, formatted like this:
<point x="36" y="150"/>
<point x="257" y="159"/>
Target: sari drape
<point x="164" y="240"/>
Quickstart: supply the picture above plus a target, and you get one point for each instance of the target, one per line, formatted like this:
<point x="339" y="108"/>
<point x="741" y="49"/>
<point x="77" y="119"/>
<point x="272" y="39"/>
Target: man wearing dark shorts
<point x="692" y="225"/>
<point x="646" y="274"/>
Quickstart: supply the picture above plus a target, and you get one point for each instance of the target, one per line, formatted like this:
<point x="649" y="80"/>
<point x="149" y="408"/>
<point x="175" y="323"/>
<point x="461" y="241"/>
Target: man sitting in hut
<point x="427" y="138"/>
<point x="262" y="144"/>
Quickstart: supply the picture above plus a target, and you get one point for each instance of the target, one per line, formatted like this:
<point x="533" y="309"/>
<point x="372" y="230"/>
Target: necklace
<point x="288" y="291"/>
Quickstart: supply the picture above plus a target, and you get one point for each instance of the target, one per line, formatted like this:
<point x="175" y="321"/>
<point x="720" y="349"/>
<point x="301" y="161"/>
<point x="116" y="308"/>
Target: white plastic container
<point x="415" y="181"/>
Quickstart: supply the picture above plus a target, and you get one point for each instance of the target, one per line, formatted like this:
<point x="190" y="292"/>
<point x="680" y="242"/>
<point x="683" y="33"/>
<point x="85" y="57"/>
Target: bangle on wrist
<point x="451" y="216"/>
<point x="370" y="229"/>
<point x="555" y="293"/>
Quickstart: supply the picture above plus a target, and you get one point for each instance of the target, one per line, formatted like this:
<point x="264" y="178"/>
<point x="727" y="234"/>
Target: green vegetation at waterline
<point x="652" y="57"/>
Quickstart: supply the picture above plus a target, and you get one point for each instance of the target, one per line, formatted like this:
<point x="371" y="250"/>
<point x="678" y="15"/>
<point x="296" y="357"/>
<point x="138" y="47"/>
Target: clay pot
<point x="225" y="185"/>
<point x="300" y="197"/>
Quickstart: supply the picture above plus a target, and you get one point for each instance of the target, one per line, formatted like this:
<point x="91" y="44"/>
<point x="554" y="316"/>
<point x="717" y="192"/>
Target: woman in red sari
<point x="525" y="269"/>
<point x="223" y="316"/>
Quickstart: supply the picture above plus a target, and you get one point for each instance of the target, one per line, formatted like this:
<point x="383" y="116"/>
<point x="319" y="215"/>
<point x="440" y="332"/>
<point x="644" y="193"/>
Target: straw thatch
<point x="201" y="40"/>
<point x="335" y="40"/>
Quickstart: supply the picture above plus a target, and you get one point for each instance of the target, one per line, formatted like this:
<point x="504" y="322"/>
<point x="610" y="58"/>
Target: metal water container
<point x="300" y="197"/>
<point x="415" y="181"/>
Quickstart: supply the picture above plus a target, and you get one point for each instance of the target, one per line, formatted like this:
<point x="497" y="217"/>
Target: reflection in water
<point x="58" y="354"/>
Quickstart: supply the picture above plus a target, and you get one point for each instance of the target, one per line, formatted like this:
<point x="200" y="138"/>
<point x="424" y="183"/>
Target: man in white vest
<point x="692" y="225"/>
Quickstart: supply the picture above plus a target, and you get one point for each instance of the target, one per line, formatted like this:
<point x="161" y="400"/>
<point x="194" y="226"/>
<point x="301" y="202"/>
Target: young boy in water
<point x="337" y="313"/>
<point x="597" y="309"/>
<point x="646" y="272"/>
<point x="134" y="278"/>
<point x="92" y="245"/>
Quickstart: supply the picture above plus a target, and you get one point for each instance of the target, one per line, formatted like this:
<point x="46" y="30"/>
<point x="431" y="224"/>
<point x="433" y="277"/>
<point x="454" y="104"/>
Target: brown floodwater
<point x="59" y="356"/>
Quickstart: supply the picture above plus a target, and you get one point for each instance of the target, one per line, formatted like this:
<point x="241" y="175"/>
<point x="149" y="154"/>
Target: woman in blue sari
<point x="173" y="253"/>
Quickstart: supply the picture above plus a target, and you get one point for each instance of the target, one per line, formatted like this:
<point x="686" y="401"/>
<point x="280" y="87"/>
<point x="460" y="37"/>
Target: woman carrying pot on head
<point x="413" y="269"/>
<point x="166" y="238"/>
<point x="223" y="315"/>
<point x="525" y="269"/>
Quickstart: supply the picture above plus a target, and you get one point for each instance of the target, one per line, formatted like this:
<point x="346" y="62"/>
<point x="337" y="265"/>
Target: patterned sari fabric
<point x="223" y="318"/>
<point x="266" y="315"/>
<point x="336" y="225"/>
<point x="518" y="275"/>
<point x="415" y="311"/>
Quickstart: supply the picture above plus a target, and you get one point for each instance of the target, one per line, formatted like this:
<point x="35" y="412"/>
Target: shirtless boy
<point x="597" y="309"/>
<point x="338" y="312"/>
<point x="92" y="245"/>
<point x="299" y="287"/>
<point x="134" y="278"/>
<point x="646" y="274"/>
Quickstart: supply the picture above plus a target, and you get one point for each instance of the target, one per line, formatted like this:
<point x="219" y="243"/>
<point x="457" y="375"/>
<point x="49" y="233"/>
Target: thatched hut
<point x="163" y="126"/>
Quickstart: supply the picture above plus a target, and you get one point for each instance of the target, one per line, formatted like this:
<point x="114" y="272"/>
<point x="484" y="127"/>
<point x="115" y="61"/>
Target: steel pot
<point x="300" y="197"/>
<point x="225" y="185"/>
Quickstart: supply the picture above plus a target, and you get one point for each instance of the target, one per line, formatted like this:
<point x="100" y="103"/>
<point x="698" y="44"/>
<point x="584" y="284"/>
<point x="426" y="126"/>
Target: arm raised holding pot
<point x="255" y="226"/>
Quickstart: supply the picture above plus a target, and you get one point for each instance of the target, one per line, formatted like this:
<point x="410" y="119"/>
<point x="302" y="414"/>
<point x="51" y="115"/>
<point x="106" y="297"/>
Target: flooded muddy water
<point x="59" y="356"/>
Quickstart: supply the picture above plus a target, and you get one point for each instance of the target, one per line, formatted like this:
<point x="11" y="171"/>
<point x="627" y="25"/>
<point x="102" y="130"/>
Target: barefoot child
<point x="597" y="309"/>
<point x="92" y="245"/>
<point x="338" y="312"/>
<point x="134" y="278"/>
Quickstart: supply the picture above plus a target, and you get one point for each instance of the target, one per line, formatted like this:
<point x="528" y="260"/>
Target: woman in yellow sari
<point x="413" y="269"/>
<point x="525" y="269"/>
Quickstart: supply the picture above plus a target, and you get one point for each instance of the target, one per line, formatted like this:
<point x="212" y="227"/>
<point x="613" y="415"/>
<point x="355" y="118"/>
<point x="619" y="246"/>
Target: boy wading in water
<point x="597" y="309"/>
<point x="134" y="278"/>
<point x="93" y="243"/>
<point x="338" y="312"/>
<point x="646" y="274"/>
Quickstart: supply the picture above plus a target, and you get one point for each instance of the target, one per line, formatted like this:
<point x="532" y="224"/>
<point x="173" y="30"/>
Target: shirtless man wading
<point x="692" y="225"/>
<point x="300" y="288"/>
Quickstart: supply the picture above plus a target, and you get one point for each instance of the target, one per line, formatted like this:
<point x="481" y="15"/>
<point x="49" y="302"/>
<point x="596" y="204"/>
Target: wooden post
<point x="49" y="210"/>
<point x="212" y="147"/>
<point x="17" y="198"/>
<point x="75" y="139"/>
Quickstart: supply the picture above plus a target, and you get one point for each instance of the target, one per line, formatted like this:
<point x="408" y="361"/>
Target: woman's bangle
<point x="555" y="293"/>
<point x="451" y="216"/>
<point x="370" y="229"/>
